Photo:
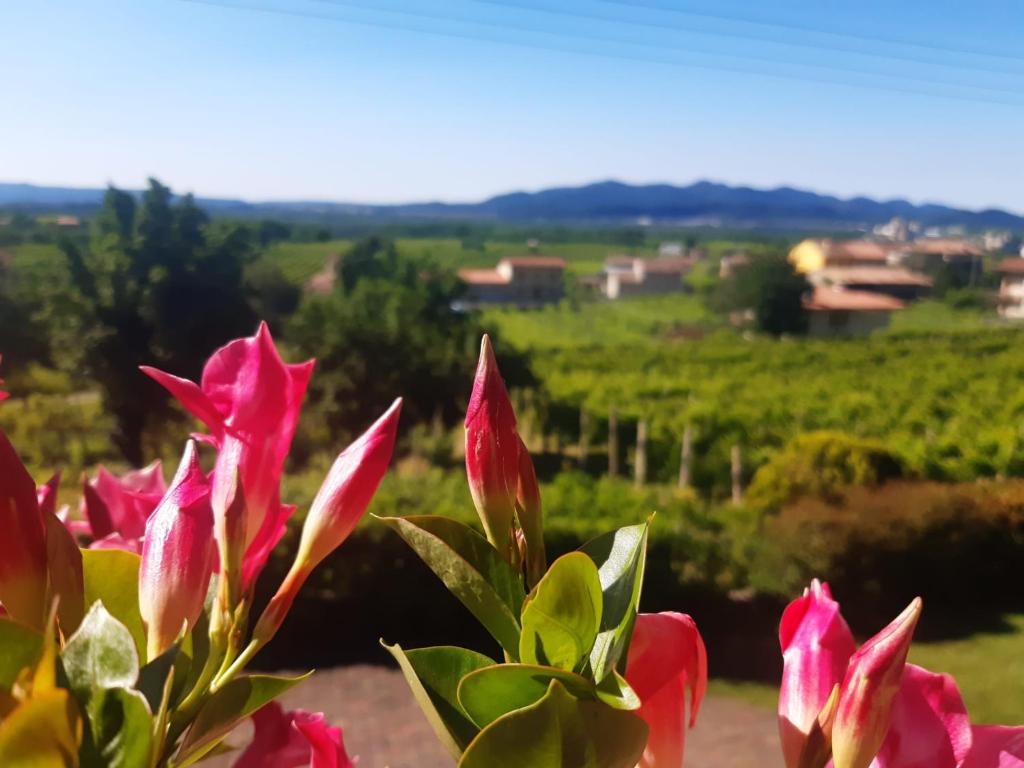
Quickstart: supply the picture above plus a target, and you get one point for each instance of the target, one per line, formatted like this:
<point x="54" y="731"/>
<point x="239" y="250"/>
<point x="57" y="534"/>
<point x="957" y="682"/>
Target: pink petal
<point x="666" y="656"/>
<point x="177" y="554"/>
<point x="996" y="746"/>
<point x="191" y="397"/>
<point x="293" y="739"/>
<point x="23" y="569"/>
<point x="816" y="647"/>
<point x="929" y="726"/>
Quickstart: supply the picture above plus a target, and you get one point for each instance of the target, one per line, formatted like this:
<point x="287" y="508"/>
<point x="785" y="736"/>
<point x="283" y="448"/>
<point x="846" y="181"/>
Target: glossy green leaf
<point x="616" y="692"/>
<point x="41" y="732"/>
<point x="112" y="575"/>
<point x="562" y="615"/>
<point x="20" y="647"/>
<point x="559" y="731"/>
<point x="120" y="730"/>
<point x="619" y="556"/>
<point x="226" y="708"/>
<point x="491" y="692"/>
<point x="433" y="674"/>
<point x="153" y="676"/>
<point x="472" y="570"/>
<point x="100" y="655"/>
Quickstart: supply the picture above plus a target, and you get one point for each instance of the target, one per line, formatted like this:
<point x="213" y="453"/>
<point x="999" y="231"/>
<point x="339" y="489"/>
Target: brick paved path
<point x="384" y="727"/>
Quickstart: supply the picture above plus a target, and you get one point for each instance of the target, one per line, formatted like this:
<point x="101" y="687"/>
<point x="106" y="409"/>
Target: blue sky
<point x="398" y="100"/>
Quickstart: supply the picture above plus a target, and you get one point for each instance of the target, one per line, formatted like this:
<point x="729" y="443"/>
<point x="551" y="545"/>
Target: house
<point x="932" y="255"/>
<point x="624" y="276"/>
<point x="524" y="281"/>
<point x="1011" y="288"/>
<point x="811" y="255"/>
<point x="731" y="263"/>
<point x="835" y="312"/>
<point x="896" y="282"/>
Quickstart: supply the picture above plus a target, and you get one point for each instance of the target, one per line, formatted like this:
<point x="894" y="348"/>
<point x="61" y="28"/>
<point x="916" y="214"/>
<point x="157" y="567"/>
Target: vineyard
<point x="948" y="402"/>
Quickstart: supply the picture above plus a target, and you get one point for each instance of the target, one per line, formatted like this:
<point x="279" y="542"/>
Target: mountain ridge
<point x="609" y="201"/>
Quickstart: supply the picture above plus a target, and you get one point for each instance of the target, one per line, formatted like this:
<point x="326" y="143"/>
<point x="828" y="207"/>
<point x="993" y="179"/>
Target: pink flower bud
<point x="869" y="690"/>
<point x="666" y="656"/>
<point x="816" y="647"/>
<point x="292" y="739"/>
<point x="531" y="517"/>
<point x="177" y="556"/>
<point x="339" y="505"/>
<point x="492" y="450"/>
<point x="23" y="570"/>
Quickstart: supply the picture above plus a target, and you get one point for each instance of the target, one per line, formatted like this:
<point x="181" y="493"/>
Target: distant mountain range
<point x="607" y="202"/>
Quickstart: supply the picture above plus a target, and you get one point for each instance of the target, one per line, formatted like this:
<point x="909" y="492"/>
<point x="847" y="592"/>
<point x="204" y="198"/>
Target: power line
<point x="759" y="38"/>
<point x="379" y="24"/>
<point x="815" y="30"/>
<point x="444" y="18"/>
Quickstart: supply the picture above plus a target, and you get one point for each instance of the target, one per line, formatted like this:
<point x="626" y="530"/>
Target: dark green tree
<point x="770" y="287"/>
<point x="156" y="285"/>
<point x="388" y="329"/>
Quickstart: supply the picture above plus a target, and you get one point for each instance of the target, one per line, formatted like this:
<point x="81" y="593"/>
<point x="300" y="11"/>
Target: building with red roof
<point x="522" y="281"/>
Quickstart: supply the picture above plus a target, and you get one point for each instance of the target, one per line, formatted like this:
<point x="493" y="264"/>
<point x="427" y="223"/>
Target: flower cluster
<point x="867" y="706"/>
<point x="132" y="650"/>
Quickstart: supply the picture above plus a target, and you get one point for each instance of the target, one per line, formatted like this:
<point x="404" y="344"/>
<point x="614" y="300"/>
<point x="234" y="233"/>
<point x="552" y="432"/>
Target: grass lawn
<point x="989" y="669"/>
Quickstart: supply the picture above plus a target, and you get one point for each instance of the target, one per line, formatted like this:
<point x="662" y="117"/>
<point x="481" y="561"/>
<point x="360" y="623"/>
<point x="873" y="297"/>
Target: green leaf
<point x="562" y="616"/>
<point x="433" y="675"/>
<point x="112" y="575"/>
<point x="153" y="676"/>
<point x="121" y="730"/>
<point x="616" y="692"/>
<point x="472" y="570"/>
<point x="226" y="708"/>
<point x="20" y="647"/>
<point x="619" y="556"/>
<point x="42" y="732"/>
<point x="559" y="731"/>
<point x="100" y="655"/>
<point x="491" y="692"/>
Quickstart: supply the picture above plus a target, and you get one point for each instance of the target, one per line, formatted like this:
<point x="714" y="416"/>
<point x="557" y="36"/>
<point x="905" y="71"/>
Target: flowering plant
<point x="584" y="680"/>
<point x="131" y="651"/>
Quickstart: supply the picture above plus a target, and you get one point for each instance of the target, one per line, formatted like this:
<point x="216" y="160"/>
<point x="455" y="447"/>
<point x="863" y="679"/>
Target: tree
<point x="770" y="287"/>
<point x="159" y="285"/>
<point x="23" y="338"/>
<point x="388" y="329"/>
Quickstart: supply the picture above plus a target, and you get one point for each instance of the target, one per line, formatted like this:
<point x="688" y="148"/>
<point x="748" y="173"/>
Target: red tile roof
<point x="535" y="261"/>
<point x="669" y="264"/>
<point x="1014" y="266"/>
<point x="482" y="277"/>
<point x="856" y="250"/>
<point x="945" y="247"/>
<point x="872" y="276"/>
<point x="825" y="299"/>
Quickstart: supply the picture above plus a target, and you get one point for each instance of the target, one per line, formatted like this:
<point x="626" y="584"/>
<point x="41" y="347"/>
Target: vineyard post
<point x="737" y="474"/>
<point x="583" y="449"/>
<point x="613" y="442"/>
<point x="640" y="467"/>
<point x="686" y="457"/>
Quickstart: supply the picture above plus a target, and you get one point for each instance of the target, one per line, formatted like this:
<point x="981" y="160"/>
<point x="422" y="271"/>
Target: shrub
<point x="820" y="464"/>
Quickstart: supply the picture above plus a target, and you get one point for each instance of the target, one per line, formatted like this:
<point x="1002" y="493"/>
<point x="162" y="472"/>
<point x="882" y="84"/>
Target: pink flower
<point x="492" y="450"/>
<point x="531" y="517"/>
<point x="996" y="746"/>
<point x="816" y="648"/>
<point x="116" y="508"/>
<point x="293" y="739"/>
<point x="339" y="505"/>
<point x="177" y="556"/>
<point x="23" y="565"/>
<point x="666" y="656"/>
<point x="869" y="689"/>
<point x="249" y="399"/>
<point x="929" y="726"/>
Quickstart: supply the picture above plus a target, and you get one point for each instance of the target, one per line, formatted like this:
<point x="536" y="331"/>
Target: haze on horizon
<point x="421" y="100"/>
